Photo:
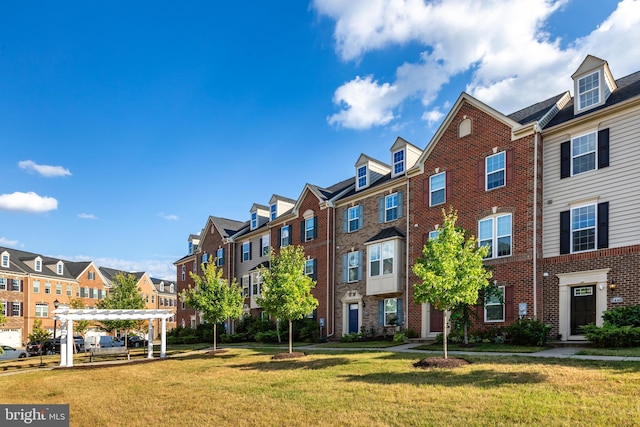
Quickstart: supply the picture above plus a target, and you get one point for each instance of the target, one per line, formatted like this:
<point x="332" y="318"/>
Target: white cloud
<point x="87" y="216"/>
<point x="432" y="117"/>
<point x="27" y="202"/>
<point x="6" y="242"/>
<point x="168" y="217"/>
<point x="502" y="44"/>
<point x="44" y="170"/>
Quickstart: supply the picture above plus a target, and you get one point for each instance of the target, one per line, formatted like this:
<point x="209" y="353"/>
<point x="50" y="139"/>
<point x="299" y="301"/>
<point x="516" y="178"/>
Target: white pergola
<point x="66" y="316"/>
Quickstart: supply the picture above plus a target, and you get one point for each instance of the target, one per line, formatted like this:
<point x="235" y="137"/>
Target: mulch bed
<point x="441" y="362"/>
<point x="293" y="355"/>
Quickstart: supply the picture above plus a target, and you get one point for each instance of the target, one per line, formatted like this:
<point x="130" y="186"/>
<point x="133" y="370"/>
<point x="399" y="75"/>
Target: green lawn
<point x="625" y="352"/>
<point x="245" y="387"/>
<point x="482" y="347"/>
<point x="358" y="344"/>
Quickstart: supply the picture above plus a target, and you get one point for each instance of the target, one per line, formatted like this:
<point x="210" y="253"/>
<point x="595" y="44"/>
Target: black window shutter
<point x="221" y="260"/>
<point x="250" y="249"/>
<point x="302" y="232"/>
<point x="314" y="276"/>
<point x="603" y="148"/>
<point x="603" y="225"/>
<point x="480" y="174"/>
<point x="565" y="159"/>
<point x="315" y="227"/>
<point x="279" y="238"/>
<point x="565" y="232"/>
<point x="345" y="220"/>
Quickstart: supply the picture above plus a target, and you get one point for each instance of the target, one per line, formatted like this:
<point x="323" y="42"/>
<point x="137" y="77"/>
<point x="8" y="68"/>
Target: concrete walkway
<point x="556" y="352"/>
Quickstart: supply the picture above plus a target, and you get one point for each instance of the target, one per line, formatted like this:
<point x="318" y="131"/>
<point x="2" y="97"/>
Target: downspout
<point x="329" y="320"/>
<point x="536" y="128"/>
<point x="406" y="262"/>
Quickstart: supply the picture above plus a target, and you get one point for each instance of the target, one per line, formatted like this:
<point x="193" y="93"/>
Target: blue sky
<point x="124" y="125"/>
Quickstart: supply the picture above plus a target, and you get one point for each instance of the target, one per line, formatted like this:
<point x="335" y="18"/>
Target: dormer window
<point x="589" y="90"/>
<point x="398" y="162"/>
<point x="38" y="264"/>
<point x="60" y="268"/>
<point x="161" y="286"/>
<point x="254" y="220"/>
<point x="362" y="180"/>
<point x="171" y="290"/>
<point x="274" y="211"/>
<point x="190" y="248"/>
<point x="5" y="259"/>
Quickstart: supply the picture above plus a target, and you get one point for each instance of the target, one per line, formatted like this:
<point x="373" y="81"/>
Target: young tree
<point x="38" y="333"/>
<point x="124" y="295"/>
<point x="214" y="297"/>
<point x="451" y="270"/>
<point x="286" y="290"/>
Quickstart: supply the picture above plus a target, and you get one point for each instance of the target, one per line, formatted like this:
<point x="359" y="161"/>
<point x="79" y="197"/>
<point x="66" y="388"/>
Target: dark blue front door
<point x="353" y="318"/>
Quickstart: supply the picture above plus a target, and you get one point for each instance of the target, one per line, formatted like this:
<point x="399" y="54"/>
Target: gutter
<point x="537" y="130"/>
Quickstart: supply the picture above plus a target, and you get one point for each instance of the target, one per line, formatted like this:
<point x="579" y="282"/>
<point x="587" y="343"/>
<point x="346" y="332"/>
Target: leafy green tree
<point x="80" y="326"/>
<point x="286" y="290"/>
<point x="451" y="270"/>
<point x="124" y="294"/>
<point x="214" y="297"/>
<point x="38" y="333"/>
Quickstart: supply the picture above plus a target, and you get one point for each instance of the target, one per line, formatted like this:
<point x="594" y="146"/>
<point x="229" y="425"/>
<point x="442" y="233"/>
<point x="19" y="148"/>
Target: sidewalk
<point x="556" y="352"/>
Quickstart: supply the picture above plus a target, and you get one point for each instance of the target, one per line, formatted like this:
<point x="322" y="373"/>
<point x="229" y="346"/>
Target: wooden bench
<point x="108" y="351"/>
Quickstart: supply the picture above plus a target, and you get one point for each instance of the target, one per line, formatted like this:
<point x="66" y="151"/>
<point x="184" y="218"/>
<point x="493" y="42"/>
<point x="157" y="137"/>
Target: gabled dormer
<point x="403" y="156"/>
<point x="4" y="259"/>
<point x="60" y="268"/>
<point x="194" y="241"/>
<point x="259" y="215"/>
<point x="279" y="205"/>
<point x="368" y="171"/>
<point x="592" y="84"/>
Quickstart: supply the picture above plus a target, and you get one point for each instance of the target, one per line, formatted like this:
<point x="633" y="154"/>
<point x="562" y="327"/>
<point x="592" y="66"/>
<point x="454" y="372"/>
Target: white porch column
<point x="63" y="343"/>
<point x="71" y="343"/>
<point x="150" y="340"/>
<point x="163" y="339"/>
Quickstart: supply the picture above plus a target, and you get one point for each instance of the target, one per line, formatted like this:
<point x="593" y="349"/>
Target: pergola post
<point x="163" y="338"/>
<point x="150" y="340"/>
<point x="71" y="343"/>
<point x="63" y="343"/>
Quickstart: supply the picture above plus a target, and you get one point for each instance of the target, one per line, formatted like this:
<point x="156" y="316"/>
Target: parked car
<point x="79" y="341"/>
<point x="9" y="352"/>
<point x="51" y="346"/>
<point x="136" y="341"/>
<point x="33" y="349"/>
<point x="117" y="342"/>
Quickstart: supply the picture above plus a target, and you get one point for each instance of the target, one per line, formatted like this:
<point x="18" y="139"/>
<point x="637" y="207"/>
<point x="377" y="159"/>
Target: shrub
<point x="268" y="337"/>
<point x="352" y="337"/>
<point x="623" y="316"/>
<point x="399" y="337"/>
<point x="610" y="335"/>
<point x="306" y="330"/>
<point x="228" y="338"/>
<point x="254" y="325"/>
<point x="528" y="332"/>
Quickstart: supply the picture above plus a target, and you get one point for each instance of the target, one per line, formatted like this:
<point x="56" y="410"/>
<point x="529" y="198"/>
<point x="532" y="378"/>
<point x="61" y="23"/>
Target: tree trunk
<point x="444" y="332"/>
<point x="278" y="331"/>
<point x="290" y="336"/>
<point x="466" y="334"/>
<point x="215" y="335"/>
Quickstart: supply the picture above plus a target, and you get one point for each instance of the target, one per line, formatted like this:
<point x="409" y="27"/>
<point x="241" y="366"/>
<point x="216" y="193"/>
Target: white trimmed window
<point x="381" y="257"/>
<point x="36" y="286"/>
<point x="494" y="306"/>
<point x="309" y="229"/>
<point x="437" y="184"/>
<point x="47" y="287"/>
<point x="42" y="310"/>
<point x="16" y="309"/>
<point x="285" y="237"/>
<point x="354" y="219"/>
<point x="254" y="220"/>
<point x="69" y="290"/>
<point x="3" y="284"/>
<point x="390" y="311"/>
<point x="398" y="162"/>
<point x="583" y="153"/>
<point x="434" y="234"/>
<point x="246" y="251"/>
<point x="362" y="179"/>
<point x="38" y="264"/>
<point x="495" y="232"/>
<point x="308" y="267"/>
<point x="274" y="211"/>
<point x="589" y="90"/>
<point x="391" y="207"/>
<point x="264" y="250"/>
<point x="15" y="287"/>
<point x="184" y="272"/>
<point x="583" y="228"/>
<point x="495" y="170"/>
<point x="257" y="284"/>
<point x="92" y="275"/>
<point x="245" y="286"/>
<point x="58" y="288"/>
<point x="353" y="265"/>
<point x="220" y="257"/>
